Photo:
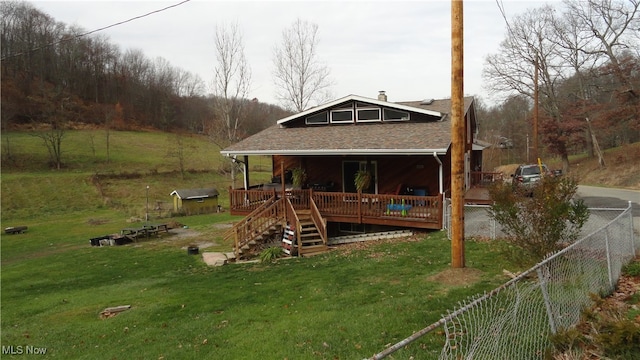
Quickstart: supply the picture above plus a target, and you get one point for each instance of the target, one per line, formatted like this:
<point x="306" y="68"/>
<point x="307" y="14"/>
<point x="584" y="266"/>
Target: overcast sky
<point x="402" y="47"/>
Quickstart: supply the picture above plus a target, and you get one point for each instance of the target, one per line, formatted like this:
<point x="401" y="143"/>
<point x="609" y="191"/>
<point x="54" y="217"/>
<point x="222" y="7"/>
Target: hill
<point x="621" y="170"/>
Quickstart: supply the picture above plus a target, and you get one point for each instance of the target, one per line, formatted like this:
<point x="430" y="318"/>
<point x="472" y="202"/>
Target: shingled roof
<point x="380" y="138"/>
<point x="186" y="194"/>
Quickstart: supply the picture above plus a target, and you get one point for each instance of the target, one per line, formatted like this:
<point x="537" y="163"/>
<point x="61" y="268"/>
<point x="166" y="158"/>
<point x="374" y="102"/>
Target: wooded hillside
<point x="54" y="74"/>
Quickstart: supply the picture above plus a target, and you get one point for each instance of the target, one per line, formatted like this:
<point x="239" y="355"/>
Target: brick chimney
<point x="382" y="96"/>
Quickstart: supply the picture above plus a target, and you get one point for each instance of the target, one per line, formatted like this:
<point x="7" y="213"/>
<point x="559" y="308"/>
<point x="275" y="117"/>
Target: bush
<point x="271" y="253"/>
<point x="544" y="222"/>
<point x="619" y="338"/>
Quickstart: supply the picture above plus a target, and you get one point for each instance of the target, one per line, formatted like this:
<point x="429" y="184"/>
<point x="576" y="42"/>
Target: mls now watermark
<point x="23" y="350"/>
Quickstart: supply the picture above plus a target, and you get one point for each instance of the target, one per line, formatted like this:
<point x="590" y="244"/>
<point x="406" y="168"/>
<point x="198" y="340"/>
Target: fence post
<point x="494" y="227"/>
<point x="547" y="301"/>
<point x="609" y="264"/>
<point x="631" y="232"/>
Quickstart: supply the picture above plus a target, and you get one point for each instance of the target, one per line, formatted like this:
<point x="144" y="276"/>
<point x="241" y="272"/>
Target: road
<point x="600" y="197"/>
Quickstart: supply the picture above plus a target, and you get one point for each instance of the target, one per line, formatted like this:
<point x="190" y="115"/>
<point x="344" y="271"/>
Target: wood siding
<point x="195" y="206"/>
<point x="418" y="172"/>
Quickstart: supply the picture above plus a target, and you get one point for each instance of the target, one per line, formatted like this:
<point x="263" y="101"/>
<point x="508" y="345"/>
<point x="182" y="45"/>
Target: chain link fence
<point x="479" y="224"/>
<point x="514" y="321"/>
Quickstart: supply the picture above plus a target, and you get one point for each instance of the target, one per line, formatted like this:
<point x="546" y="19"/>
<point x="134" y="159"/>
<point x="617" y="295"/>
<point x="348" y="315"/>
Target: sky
<point x="401" y="47"/>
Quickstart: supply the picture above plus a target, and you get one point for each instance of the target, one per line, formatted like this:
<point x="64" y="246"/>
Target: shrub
<point x="541" y="223"/>
<point x="619" y="338"/>
<point x="271" y="253"/>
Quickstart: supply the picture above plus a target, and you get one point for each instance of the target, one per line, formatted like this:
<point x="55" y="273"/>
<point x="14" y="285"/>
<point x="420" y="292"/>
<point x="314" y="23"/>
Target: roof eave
<point x="336" y="152"/>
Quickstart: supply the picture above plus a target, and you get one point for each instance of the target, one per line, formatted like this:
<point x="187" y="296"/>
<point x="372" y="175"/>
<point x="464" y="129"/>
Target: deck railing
<point x="385" y="209"/>
<point x="269" y="213"/>
<point x="248" y="200"/>
<point x="361" y="206"/>
<point x="482" y="179"/>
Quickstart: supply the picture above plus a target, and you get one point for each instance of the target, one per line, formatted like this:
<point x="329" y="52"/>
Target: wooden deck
<point x="424" y="212"/>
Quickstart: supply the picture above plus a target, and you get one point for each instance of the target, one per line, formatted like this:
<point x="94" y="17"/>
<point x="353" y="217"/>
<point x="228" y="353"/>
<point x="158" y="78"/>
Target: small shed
<point x="195" y="201"/>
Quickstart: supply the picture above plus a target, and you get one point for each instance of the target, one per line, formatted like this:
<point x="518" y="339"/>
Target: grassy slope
<point x="621" y="170"/>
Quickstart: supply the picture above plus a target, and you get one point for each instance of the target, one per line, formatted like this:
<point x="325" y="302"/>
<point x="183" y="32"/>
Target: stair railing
<point x="294" y="223"/>
<point x="318" y="220"/>
<point x="256" y="223"/>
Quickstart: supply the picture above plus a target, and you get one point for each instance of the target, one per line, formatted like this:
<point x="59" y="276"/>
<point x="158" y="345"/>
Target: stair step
<point x="313" y="250"/>
<point x="310" y="234"/>
<point x="313" y="247"/>
<point x="311" y="241"/>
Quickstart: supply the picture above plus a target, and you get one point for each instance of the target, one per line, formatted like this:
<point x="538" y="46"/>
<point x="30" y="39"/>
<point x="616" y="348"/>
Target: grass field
<point x="347" y="304"/>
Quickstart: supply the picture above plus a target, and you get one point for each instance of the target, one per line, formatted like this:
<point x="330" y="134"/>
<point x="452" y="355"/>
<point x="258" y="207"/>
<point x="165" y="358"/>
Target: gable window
<point x="395" y="115"/>
<point x="320" y="118"/>
<point x="370" y="114"/>
<point x="342" y="116"/>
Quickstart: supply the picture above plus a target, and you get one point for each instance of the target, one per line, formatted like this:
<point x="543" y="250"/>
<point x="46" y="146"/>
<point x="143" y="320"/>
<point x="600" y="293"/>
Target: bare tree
<point x="299" y="76"/>
<point x="180" y="150"/>
<point x="530" y="47"/>
<point x="611" y="29"/>
<point x="610" y="24"/>
<point x="53" y="136"/>
<point x="231" y="87"/>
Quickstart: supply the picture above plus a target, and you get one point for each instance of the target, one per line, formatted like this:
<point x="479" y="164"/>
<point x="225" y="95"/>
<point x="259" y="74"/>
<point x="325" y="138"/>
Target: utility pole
<point x="535" y="110"/>
<point x="457" y="135"/>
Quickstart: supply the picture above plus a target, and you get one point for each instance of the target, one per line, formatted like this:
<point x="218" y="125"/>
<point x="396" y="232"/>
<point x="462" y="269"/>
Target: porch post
<point x="246" y="172"/>
<point x="440" y="174"/>
<point x="282" y="180"/>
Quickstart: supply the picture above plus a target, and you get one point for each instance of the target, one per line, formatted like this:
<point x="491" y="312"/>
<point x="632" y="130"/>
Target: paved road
<point x="599" y="197"/>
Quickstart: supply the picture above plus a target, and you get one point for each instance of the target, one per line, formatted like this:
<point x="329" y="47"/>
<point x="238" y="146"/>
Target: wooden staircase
<point x="310" y="242"/>
<point x="302" y="232"/>
<point x="260" y="242"/>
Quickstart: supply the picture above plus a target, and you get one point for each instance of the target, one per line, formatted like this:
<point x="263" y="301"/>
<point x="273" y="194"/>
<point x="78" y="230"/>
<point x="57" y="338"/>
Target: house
<point x="405" y="147"/>
<point x="195" y="201"/>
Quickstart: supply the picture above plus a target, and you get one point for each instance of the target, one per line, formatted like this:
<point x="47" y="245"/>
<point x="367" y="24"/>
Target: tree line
<point x="53" y="74"/>
<point x="580" y="62"/>
<point x="574" y="67"/>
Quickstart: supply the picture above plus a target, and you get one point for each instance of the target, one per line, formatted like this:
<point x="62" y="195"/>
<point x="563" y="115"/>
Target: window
<point x="365" y="115"/>
<point x="320" y="118"/>
<point x="395" y="115"/>
<point x="342" y="116"/>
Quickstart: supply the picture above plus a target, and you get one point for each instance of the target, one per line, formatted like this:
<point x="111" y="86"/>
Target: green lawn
<point x="341" y="305"/>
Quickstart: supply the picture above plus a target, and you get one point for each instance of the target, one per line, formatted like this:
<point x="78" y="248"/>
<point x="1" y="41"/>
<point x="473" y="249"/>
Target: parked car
<point x="527" y="175"/>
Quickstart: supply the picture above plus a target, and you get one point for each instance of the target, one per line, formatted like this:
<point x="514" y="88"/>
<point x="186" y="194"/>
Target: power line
<point x="94" y="31"/>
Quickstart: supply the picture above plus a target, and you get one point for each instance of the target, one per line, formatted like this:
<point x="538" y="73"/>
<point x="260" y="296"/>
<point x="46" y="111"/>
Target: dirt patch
<point x="183" y="233"/>
<point x="457" y="277"/>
